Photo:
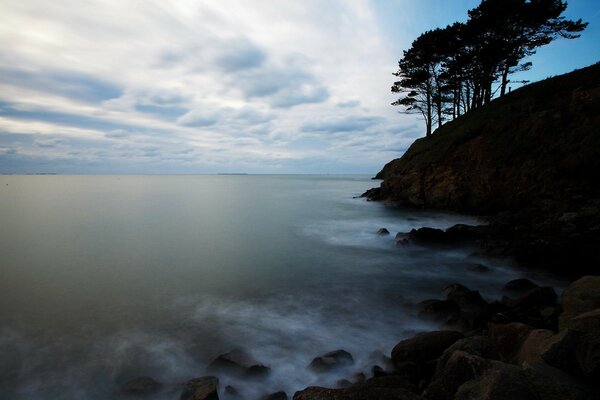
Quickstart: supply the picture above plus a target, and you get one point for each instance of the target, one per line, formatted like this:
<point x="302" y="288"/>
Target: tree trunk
<point x="504" y="81"/>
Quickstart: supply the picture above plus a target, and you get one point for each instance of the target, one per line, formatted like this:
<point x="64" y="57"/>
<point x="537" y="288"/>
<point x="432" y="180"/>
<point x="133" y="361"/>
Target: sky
<point x="166" y="87"/>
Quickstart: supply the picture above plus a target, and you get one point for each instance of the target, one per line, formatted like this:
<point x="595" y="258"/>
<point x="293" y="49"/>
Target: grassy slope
<point x="537" y="147"/>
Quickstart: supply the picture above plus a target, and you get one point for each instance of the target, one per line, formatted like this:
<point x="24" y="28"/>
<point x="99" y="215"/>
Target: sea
<point x="106" y="278"/>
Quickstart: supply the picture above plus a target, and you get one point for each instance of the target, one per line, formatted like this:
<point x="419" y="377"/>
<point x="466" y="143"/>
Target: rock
<point x="478" y="268"/>
<point x="507" y="339"/>
<point x="475" y="345"/>
<point x="141" y="386"/>
<point x="330" y="361"/>
<point x="588" y="357"/>
<point x="401" y="238"/>
<point x="359" y="377"/>
<point x="579" y="297"/>
<point x="519" y="287"/>
<point x="457" y="369"/>
<point x="463" y="232"/>
<point x="552" y="383"/>
<point x="383" y="232"/>
<point x="204" y="388"/>
<point x="467" y="299"/>
<point x="384" y="388"/>
<point x="423" y="348"/>
<point x="438" y="310"/>
<point x="536" y="298"/>
<point x="499" y="382"/>
<point x="281" y="395"/>
<point x="532" y="347"/>
<point x="429" y="236"/>
<point x="238" y="363"/>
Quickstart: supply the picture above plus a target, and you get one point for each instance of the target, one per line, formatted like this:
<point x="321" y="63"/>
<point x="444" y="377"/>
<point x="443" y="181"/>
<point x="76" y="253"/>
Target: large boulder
<point x="499" y="382"/>
<point x="239" y="363"/>
<point x="507" y="339"/>
<point x="423" y="348"/>
<point x="204" y="388"/>
<point x="438" y="310"/>
<point x="579" y="297"/>
<point x="332" y="360"/>
<point x="429" y="236"/>
<point x="457" y="369"/>
<point x="383" y="388"/>
<point x="552" y="383"/>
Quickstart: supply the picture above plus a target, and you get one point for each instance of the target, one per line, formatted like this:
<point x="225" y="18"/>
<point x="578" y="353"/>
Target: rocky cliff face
<point x="536" y="147"/>
<point x="531" y="160"/>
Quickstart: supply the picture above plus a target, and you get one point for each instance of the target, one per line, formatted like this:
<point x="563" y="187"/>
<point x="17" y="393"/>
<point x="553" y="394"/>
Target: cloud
<point x="348" y="104"/>
<point x="241" y="55"/>
<point x="345" y="124"/>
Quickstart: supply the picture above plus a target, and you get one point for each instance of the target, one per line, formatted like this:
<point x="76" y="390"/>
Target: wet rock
<point x="467" y="299"/>
<point x="359" y="377"/>
<point x="238" y="363"/>
<point x="475" y="345"/>
<point x="402" y="238"/>
<point x="552" y="383"/>
<point x="389" y="387"/>
<point x="330" y="361"/>
<point x="141" y="386"/>
<point x="579" y="297"/>
<point x="423" y="348"/>
<point x="281" y="395"/>
<point x="429" y="236"/>
<point x="499" y="382"/>
<point x="383" y="232"/>
<point x="518" y="287"/>
<point x="437" y="310"/>
<point x="204" y="388"/>
<point x="457" y="369"/>
<point x="463" y="232"/>
<point x="507" y="339"/>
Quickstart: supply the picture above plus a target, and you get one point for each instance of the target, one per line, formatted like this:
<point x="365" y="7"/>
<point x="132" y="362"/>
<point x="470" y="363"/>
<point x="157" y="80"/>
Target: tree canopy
<point x="452" y="70"/>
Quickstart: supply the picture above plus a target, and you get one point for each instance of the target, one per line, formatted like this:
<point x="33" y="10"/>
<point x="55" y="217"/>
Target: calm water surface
<point x="106" y="278"/>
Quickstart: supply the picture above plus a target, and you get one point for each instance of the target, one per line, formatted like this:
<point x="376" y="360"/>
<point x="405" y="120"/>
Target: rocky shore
<point x="530" y="344"/>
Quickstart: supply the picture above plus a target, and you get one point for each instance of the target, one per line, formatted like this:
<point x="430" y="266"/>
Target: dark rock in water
<point x="281" y="395"/>
<point x="330" y="361"/>
<point x="383" y="232"/>
<point x="429" y="236"/>
<point x="402" y="238"/>
<point x="519" y="287"/>
<point x="384" y="388"/>
<point x="438" y="310"/>
<point x="377" y="371"/>
<point x="478" y="268"/>
<point x="359" y="377"/>
<point x="423" y="348"/>
<point x="239" y="363"/>
<point x="579" y="297"/>
<point x="141" y="386"/>
<point x="204" y="388"/>
<point x="507" y="339"/>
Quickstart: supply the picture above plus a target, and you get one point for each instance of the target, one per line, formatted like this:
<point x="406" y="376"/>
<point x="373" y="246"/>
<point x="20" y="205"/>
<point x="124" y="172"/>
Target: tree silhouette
<point x="450" y="71"/>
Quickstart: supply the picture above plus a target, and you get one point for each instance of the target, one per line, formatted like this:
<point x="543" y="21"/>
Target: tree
<point x="451" y="71"/>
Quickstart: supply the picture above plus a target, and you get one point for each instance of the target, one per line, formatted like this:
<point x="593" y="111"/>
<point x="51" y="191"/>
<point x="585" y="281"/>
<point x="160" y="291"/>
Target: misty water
<point x="108" y="278"/>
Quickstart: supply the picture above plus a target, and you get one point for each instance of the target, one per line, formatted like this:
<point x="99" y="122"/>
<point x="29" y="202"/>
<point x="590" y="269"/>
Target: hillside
<point x="530" y="160"/>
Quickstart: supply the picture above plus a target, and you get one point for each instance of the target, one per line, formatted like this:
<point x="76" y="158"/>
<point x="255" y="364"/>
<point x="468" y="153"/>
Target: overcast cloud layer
<point x="198" y="87"/>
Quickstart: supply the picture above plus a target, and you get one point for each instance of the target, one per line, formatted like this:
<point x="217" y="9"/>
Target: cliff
<point x="530" y="160"/>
